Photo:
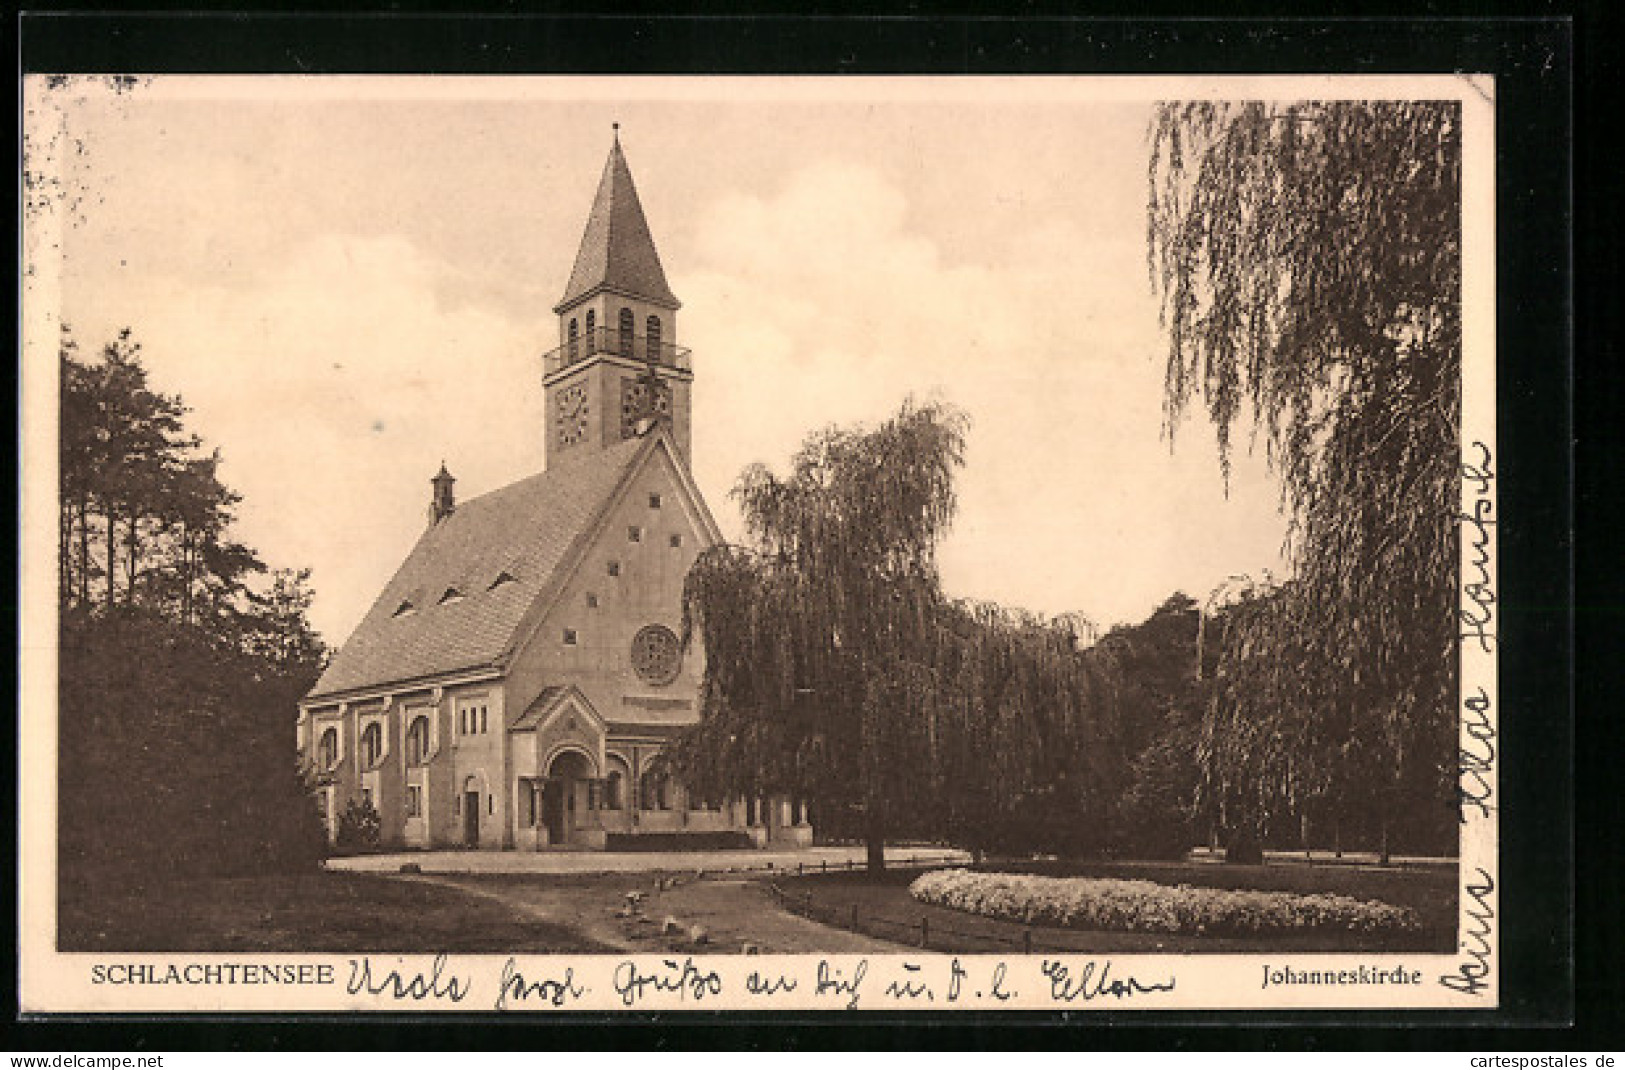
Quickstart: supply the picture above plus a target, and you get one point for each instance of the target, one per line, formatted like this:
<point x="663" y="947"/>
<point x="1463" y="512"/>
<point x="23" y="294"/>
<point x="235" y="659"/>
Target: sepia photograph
<point x="553" y="542"/>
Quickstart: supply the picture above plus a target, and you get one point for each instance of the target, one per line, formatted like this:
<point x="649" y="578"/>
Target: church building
<point x="515" y="683"/>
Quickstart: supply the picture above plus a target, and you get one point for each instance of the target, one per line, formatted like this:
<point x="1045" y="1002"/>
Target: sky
<point x="351" y="280"/>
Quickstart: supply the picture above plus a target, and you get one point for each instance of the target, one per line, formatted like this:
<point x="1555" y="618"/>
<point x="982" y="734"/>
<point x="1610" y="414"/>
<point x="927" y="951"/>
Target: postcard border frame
<point x="1531" y="61"/>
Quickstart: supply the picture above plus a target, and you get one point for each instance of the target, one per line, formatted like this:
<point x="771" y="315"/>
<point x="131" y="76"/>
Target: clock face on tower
<point x="571" y="417"/>
<point x="635" y="403"/>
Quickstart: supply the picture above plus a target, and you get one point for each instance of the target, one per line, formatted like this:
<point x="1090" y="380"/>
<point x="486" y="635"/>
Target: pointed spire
<point x="617" y="250"/>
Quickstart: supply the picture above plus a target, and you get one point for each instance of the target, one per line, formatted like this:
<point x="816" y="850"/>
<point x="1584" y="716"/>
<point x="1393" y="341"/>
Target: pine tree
<point x="178" y="672"/>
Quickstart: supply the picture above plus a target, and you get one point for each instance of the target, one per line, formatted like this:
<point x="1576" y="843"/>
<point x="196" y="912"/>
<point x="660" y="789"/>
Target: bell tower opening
<point x="618" y="367"/>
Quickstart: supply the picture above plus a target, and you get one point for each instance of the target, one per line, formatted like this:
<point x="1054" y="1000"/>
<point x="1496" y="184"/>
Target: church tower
<point x="618" y="365"/>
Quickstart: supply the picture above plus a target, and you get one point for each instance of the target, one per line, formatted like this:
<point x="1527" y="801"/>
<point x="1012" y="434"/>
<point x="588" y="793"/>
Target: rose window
<point x="655" y="655"/>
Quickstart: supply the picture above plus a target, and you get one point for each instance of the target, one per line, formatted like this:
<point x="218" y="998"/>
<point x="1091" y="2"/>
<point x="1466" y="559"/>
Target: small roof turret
<point x="444" y="503"/>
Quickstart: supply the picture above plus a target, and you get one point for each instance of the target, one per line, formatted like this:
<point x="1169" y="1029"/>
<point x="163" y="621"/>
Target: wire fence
<point x="824" y="865"/>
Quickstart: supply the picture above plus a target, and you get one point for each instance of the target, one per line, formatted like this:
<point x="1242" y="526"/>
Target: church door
<point x="471" y="818"/>
<point x="553" y="811"/>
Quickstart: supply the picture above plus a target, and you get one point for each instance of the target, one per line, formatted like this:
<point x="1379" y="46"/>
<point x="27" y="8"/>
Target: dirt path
<point x="733" y="912"/>
<point x="578" y="908"/>
<point x="743" y="911"/>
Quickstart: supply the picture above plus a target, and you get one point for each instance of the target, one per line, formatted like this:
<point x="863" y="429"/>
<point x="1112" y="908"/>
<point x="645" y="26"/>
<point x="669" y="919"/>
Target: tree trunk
<point x="875" y="841"/>
<point x="1390" y="794"/>
<point x="112" y="556"/>
<point x="64" y="560"/>
<point x="186" y="574"/>
<point x="132" y="558"/>
<point x="874" y="824"/>
<point x="84" y="551"/>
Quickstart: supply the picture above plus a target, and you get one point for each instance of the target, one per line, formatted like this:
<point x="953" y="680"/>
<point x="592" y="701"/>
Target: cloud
<point x="825" y="303"/>
<point x="335" y="384"/>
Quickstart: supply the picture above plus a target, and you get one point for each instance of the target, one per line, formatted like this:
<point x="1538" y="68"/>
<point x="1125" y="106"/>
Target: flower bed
<point x="1142" y="906"/>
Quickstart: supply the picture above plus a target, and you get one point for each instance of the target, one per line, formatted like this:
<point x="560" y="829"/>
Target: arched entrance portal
<point x="566" y="797"/>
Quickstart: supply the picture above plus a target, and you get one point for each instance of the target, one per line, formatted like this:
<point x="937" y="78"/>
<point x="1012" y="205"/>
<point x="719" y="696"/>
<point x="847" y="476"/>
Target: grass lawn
<point x="885" y="909"/>
<point x="315" y="912"/>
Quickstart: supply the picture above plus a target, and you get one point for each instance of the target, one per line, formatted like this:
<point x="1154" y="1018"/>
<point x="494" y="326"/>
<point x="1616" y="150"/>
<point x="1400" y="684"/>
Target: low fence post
<point x="1026" y="941"/>
<point x="854" y="917"/>
<point x="925" y="931"/>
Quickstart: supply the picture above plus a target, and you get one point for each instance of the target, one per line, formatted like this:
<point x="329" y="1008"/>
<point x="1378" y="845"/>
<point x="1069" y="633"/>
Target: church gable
<point x="613" y="628"/>
<point x="555" y="704"/>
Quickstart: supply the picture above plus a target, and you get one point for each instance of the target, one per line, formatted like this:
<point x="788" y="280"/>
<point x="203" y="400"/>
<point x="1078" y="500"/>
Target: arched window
<point x="592" y="325"/>
<point x="651" y="333"/>
<point x="329" y="750"/>
<point x="627" y="323"/>
<point x="572" y="344"/>
<point x="372" y="744"/>
<point x="417" y="741"/>
<point x="614" y="789"/>
<point x="656" y="791"/>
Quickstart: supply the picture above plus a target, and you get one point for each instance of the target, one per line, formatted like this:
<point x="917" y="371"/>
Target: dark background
<point x="1533" y="60"/>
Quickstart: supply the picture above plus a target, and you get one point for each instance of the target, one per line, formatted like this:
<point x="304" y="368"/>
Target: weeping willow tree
<point x="1308" y="258"/>
<point x="837" y="671"/>
<point x="1022" y="760"/>
<point x="819" y="636"/>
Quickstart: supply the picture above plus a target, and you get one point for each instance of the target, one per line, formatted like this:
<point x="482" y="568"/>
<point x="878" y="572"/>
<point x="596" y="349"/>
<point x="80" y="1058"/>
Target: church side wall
<point x="452" y="760"/>
<point x="479" y="763"/>
<point x="442" y="778"/>
<point x="337" y="783"/>
<point x="376" y="779"/>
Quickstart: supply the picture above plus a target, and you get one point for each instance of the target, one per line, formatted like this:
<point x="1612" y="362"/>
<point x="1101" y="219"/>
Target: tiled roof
<point x="617" y="250"/>
<point x="446" y="610"/>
